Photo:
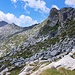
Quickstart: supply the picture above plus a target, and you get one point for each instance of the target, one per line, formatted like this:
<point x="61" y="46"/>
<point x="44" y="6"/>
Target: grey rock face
<point x="53" y="14"/>
<point x="62" y="14"/>
<point x="3" y="23"/>
<point x="54" y="53"/>
<point x="53" y="17"/>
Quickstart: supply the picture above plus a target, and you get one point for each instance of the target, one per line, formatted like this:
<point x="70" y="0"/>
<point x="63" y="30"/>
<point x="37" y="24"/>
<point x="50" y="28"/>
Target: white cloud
<point x="55" y="6"/>
<point x="22" y="20"/>
<point x="70" y="2"/>
<point x="14" y="1"/>
<point x="38" y="5"/>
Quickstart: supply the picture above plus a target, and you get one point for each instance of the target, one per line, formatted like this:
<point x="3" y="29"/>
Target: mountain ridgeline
<point x="2" y="23"/>
<point x="45" y="41"/>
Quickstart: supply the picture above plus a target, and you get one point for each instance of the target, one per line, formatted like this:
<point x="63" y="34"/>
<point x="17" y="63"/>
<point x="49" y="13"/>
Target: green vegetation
<point x="31" y="50"/>
<point x="51" y="72"/>
<point x="70" y="28"/>
<point x="52" y="41"/>
<point x="66" y="72"/>
<point x="16" y="71"/>
<point x="63" y="35"/>
<point x="16" y="39"/>
<point x="74" y="55"/>
<point x="61" y="71"/>
<point x="6" y="63"/>
<point x="46" y="29"/>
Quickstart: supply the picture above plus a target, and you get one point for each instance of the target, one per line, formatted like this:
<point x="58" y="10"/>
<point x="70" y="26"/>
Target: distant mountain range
<point x="3" y="23"/>
<point x="8" y="30"/>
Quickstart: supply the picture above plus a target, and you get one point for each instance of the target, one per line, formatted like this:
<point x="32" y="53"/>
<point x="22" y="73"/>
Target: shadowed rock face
<point x="67" y="13"/>
<point x="53" y="14"/>
<point x="3" y="23"/>
<point x="62" y="14"/>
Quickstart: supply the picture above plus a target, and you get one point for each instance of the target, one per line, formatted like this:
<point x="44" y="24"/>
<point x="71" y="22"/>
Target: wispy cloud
<point x="14" y="1"/>
<point x="37" y="5"/>
<point x="21" y="20"/>
<point x="70" y="2"/>
<point x="55" y="6"/>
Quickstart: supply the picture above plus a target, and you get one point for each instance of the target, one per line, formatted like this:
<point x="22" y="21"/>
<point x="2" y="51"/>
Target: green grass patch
<point x="51" y="72"/>
<point x="15" y="71"/>
<point x="61" y="71"/>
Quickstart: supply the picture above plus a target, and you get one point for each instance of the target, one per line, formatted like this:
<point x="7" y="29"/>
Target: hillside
<point x="36" y="47"/>
<point x="12" y="35"/>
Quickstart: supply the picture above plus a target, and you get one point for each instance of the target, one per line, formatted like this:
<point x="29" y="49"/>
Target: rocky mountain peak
<point x="3" y="23"/>
<point x="53" y="14"/>
<point x="62" y="14"/>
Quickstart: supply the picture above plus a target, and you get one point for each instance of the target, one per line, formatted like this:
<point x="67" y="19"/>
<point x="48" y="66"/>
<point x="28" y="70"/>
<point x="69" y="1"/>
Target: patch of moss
<point x="71" y="29"/>
<point x="63" y="35"/>
<point x="31" y="50"/>
<point x="74" y="55"/>
<point x="16" y="39"/>
<point x="46" y="29"/>
<point x="66" y="72"/>
<point x="61" y="71"/>
<point x="51" y="72"/>
<point x="16" y="71"/>
<point x="52" y="41"/>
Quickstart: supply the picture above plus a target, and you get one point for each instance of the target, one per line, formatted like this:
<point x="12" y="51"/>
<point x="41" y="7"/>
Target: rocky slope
<point x="11" y="35"/>
<point x="46" y="42"/>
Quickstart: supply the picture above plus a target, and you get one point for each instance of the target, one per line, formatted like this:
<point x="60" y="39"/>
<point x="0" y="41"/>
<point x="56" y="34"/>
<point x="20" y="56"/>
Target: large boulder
<point x="54" y="53"/>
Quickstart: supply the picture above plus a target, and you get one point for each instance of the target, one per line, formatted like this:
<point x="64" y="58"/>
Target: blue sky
<point x="28" y="12"/>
